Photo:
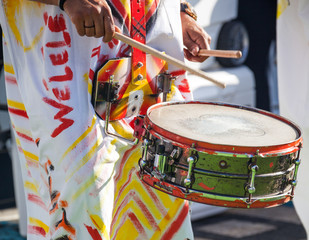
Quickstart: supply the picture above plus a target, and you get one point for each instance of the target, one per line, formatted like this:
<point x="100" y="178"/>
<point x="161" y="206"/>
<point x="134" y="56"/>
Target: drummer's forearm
<point x="50" y="2"/>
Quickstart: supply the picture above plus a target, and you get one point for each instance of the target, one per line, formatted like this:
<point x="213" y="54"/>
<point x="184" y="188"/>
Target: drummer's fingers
<point x="89" y="27"/>
<point x="202" y="39"/>
<point x="109" y="27"/>
<point x="99" y="26"/>
<point x="188" y="55"/>
<point x="77" y="19"/>
<point x="79" y="25"/>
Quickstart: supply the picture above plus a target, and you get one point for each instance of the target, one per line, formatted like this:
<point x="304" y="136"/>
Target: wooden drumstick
<point x="166" y="58"/>
<point x="220" y="53"/>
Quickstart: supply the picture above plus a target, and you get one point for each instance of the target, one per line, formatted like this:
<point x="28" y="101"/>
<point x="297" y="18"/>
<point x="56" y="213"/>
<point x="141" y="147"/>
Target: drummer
<point x="79" y="183"/>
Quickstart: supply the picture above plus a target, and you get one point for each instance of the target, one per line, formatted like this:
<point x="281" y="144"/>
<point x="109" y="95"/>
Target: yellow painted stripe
<point x="125" y="228"/>
<point x="122" y="130"/>
<point x="18" y="142"/>
<point x="9" y="69"/>
<point x="31" y="186"/>
<point x="90" y="87"/>
<point x="130" y="164"/>
<point x="175" y="207"/>
<point x="98" y="222"/>
<point x="87" y="157"/>
<point x="78" y="140"/>
<point x="31" y="156"/>
<point x="37" y="222"/>
<point x="88" y="82"/>
<point x="17" y="105"/>
<point x="282" y="6"/>
<point x="83" y="188"/>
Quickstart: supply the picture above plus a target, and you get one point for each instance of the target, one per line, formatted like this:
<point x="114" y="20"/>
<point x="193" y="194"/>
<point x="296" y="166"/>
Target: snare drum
<point x="220" y="154"/>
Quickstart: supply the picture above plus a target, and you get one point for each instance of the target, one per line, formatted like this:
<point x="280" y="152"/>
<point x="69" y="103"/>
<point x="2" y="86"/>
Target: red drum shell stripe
<point x="273" y="150"/>
<point x="197" y="197"/>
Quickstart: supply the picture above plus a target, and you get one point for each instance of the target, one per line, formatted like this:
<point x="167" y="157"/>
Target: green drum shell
<point x="230" y="175"/>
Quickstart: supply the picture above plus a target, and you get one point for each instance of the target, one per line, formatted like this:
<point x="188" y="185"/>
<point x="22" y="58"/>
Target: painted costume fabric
<point x="293" y="83"/>
<point x="79" y="183"/>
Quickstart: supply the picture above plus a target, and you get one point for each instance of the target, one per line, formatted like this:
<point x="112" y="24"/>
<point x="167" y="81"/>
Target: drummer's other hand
<point x="92" y="18"/>
<point x="194" y="38"/>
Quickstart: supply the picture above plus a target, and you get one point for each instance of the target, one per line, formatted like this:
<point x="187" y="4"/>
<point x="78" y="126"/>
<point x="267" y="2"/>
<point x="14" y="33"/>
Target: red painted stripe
<point x="123" y="161"/>
<point x="35" y="230"/>
<point x="37" y="200"/>
<point x="184" y="86"/>
<point x="204" y="186"/>
<point x="10" y="79"/>
<point x="121" y="206"/>
<point x="137" y="224"/>
<point x="93" y="233"/>
<point x="91" y="74"/>
<point x="178" y="73"/>
<point x="156" y="201"/>
<point x="18" y="112"/>
<point x="24" y="136"/>
<point x="175" y="226"/>
<point x="124" y="185"/>
<point x="146" y="212"/>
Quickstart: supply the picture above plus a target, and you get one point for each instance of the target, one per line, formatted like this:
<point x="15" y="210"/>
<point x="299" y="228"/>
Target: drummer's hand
<point x="92" y="18"/>
<point x="194" y="38"/>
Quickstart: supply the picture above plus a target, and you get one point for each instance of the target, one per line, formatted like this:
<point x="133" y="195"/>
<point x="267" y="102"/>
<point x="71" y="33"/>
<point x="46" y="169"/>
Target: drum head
<point x="223" y="124"/>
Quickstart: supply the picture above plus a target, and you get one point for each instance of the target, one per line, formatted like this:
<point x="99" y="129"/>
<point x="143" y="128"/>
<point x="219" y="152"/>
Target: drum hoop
<point x="292" y="146"/>
<point x="220" y="200"/>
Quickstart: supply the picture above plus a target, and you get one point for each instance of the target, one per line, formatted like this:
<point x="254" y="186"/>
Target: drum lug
<point x="160" y="158"/>
<point x="143" y="161"/>
<point x="297" y="162"/>
<point x="293" y="182"/>
<point x="250" y="186"/>
<point x="253" y="168"/>
<point x="188" y="180"/>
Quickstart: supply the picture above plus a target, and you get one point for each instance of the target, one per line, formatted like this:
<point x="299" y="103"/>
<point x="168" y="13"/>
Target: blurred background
<point x="249" y="26"/>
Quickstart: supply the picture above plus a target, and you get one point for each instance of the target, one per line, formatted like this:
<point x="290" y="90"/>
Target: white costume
<point x="79" y="183"/>
<point x="293" y="83"/>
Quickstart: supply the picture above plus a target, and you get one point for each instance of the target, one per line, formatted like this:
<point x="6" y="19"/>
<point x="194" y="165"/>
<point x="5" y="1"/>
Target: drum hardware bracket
<point x="139" y="130"/>
<point x="175" y="154"/>
<point x="111" y="96"/>
<point x="109" y="90"/>
<point x="164" y="84"/>
<point x="158" y="174"/>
